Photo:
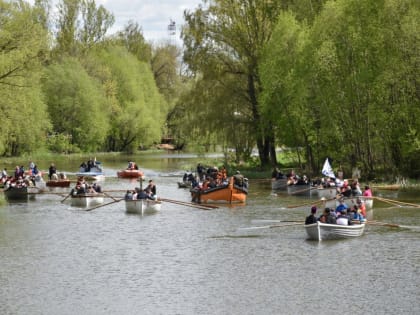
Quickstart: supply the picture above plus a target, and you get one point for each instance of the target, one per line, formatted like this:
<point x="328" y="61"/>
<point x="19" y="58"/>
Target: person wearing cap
<point x="310" y="219"/>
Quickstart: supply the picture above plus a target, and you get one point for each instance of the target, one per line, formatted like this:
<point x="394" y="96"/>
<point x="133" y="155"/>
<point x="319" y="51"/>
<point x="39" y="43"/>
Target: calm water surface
<point x="56" y="259"/>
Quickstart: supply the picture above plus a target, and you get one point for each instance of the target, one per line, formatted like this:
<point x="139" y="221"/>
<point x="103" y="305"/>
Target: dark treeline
<point x="325" y="78"/>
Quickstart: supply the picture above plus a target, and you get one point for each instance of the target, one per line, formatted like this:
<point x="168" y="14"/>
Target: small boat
<point x="322" y="231"/>
<point x="94" y="172"/>
<point x="142" y="206"/>
<point x="85" y="200"/>
<point x="18" y="193"/>
<point x="279" y="184"/>
<point x="130" y="173"/>
<point x="58" y="183"/>
<point x="184" y="184"/>
<point x="229" y="193"/>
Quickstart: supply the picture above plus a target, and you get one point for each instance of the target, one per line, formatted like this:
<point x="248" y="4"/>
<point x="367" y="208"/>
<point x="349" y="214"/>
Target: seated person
<point x="310" y="219"/>
<point x="343" y="218"/>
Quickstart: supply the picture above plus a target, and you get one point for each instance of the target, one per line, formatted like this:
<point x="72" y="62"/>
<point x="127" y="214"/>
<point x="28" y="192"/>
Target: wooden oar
<point x="107" y="195"/>
<point x="271" y="226"/>
<point x="397" y="203"/>
<point x="310" y="203"/>
<point x="189" y="203"/>
<point x="300" y="191"/>
<point x="104" y="204"/>
<point x="377" y="223"/>
<point x="66" y="198"/>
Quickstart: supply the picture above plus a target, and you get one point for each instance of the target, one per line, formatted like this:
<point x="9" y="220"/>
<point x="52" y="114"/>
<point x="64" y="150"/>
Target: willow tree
<point x="23" y="47"/>
<point x="223" y="44"/>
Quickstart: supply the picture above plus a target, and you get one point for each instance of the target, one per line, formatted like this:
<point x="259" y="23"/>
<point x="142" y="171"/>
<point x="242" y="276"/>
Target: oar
<point x="307" y="204"/>
<point x="274" y="221"/>
<point x="300" y="191"/>
<point x="377" y="223"/>
<point x="398" y="203"/>
<point x="271" y="226"/>
<point x="104" y="204"/>
<point x="66" y="198"/>
<point x="105" y="194"/>
<point x="193" y="205"/>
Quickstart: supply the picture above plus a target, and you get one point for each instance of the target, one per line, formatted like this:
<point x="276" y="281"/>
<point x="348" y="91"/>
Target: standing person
<point x="200" y="171"/>
<point x="51" y="171"/>
<point x="310" y="219"/>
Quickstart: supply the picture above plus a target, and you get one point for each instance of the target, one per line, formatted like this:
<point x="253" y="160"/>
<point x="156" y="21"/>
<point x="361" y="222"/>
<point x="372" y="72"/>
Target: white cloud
<point x="153" y="16"/>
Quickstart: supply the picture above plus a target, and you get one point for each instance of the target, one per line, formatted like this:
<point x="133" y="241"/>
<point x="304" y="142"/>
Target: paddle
<point x="300" y="191"/>
<point x="307" y="204"/>
<point x="189" y="203"/>
<point x="271" y="226"/>
<point x="104" y="204"/>
<point x="66" y="198"/>
<point x="377" y="223"/>
<point x="107" y="195"/>
<point x="397" y="203"/>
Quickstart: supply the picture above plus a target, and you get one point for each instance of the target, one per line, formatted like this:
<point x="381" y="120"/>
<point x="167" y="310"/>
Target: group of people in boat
<point x="83" y="187"/>
<point x="21" y="177"/>
<point x="342" y="214"/>
<point x="213" y="177"/>
<point x="137" y="193"/>
<point x="292" y="177"/>
<point x="89" y="165"/>
<point x="132" y="166"/>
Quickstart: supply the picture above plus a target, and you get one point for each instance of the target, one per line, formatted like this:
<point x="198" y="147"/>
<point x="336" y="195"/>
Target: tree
<point x="75" y="104"/>
<point x="23" y="47"/>
<point x="224" y="42"/>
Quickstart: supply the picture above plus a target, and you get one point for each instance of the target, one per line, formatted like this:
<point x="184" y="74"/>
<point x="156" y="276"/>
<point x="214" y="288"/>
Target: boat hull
<point x="322" y="231"/>
<point x="130" y="174"/>
<point x="279" y="184"/>
<point x="300" y="190"/>
<point x="186" y="184"/>
<point x="86" y="200"/>
<point x="142" y="206"/>
<point x="224" y="194"/>
<point x="58" y="183"/>
<point x="16" y="193"/>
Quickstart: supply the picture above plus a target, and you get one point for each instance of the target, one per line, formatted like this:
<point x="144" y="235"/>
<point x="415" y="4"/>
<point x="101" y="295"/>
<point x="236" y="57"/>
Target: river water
<point x="56" y="259"/>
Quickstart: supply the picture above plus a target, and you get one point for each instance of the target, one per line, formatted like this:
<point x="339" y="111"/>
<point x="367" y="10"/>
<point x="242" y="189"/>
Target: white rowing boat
<point x="87" y="200"/>
<point x="142" y="206"/>
<point x="323" y="231"/>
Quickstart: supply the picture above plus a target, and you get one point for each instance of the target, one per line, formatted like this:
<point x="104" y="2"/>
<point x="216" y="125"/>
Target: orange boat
<point x="221" y="194"/>
<point x="128" y="173"/>
<point x="58" y="183"/>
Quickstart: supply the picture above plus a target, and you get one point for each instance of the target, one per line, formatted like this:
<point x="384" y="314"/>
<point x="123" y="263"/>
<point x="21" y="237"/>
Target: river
<point x="58" y="260"/>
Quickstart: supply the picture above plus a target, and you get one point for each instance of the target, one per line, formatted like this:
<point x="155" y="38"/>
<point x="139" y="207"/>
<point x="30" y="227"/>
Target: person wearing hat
<point x="310" y="219"/>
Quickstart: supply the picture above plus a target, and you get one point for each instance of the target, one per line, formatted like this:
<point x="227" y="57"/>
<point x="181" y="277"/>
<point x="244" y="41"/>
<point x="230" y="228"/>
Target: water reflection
<point x="57" y="259"/>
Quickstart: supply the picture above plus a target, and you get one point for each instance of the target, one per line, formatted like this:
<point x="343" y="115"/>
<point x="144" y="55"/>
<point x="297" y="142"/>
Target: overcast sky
<point x="153" y="16"/>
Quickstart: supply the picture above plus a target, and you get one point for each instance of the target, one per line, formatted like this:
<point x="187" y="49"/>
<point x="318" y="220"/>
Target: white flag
<point x="327" y="169"/>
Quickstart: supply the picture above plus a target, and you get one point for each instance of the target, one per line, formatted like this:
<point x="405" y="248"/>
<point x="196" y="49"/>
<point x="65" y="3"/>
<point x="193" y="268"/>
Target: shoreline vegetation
<point x="250" y="169"/>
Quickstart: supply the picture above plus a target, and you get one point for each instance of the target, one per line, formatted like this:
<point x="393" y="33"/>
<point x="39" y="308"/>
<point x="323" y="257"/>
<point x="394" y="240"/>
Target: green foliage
<point x="138" y="110"/>
<point x="75" y="103"/>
